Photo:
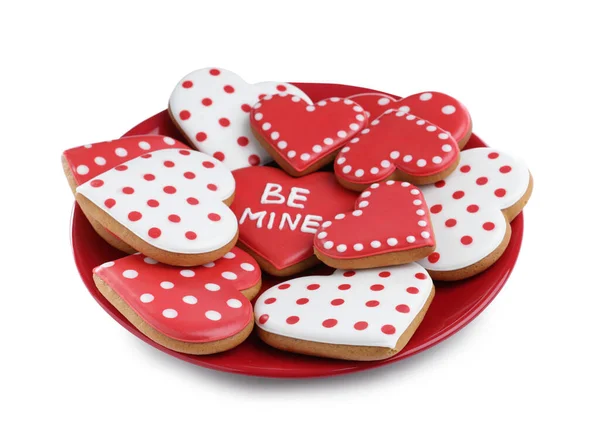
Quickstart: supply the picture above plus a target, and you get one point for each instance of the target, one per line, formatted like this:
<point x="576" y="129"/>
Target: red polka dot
<point x="169" y="164"/>
<point x="465" y="168"/>
<point x="466" y="240"/>
<point x="223" y="121"/>
<point x="384" y="274"/>
<point x="228" y="89"/>
<point x="212" y="186"/>
<point x="149" y="177"/>
<point x="128" y="190"/>
<point x="170" y="189"/>
<point x="458" y="195"/>
<point x="500" y="192"/>
<point x="451" y="222"/>
<point x="313" y="286"/>
<point x="493" y="155"/>
<point x="121" y="167"/>
<point x="292" y="320"/>
<point x="281" y="88"/>
<point x="412" y="290"/>
<point x="146" y="156"/>
<point x="433" y="257"/>
<point x="359" y="326"/>
<point x="349" y="273"/>
<point x="481" y="180"/>
<point x="185" y="115"/>
<point x="372" y="303"/>
<point x="302" y="301"/>
<point x="246" y="108"/>
<point x="284" y="286"/>
<point x="219" y="155"/>
<point x="214" y="72"/>
<point x="243" y="141"/>
<point x="207" y="102"/>
<point x="377" y="287"/>
<point x="187" y="84"/>
<point x="261" y="96"/>
<point x="420" y="276"/>
<point x="344" y="286"/>
<point x="489" y="226"/>
<point x="208" y="164"/>
<point x="154" y="232"/>
<point x="174" y="218"/>
<point x="329" y="323"/>
<point x="134" y="216"/>
<point x="193" y="201"/>
<point x="97" y="183"/>
<point x="201" y="136"/>
<point x="388" y="329"/>
<point x="152" y="203"/>
<point x="472" y="208"/>
<point x="263" y="319"/>
<point x="436" y="208"/>
<point x="214" y="217"/>
<point x="189" y="175"/>
<point x="505" y="169"/>
<point x="402" y="308"/>
<point x="109" y="202"/>
<point x="185" y="152"/>
<point x="440" y="183"/>
<point x="337" y="301"/>
<point x="191" y="235"/>
<point x="270" y="300"/>
<point x="254" y="160"/>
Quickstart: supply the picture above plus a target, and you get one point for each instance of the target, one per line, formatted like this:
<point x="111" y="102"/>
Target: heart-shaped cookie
<point x="389" y="226"/>
<point x="397" y="146"/>
<point x="279" y="215"/>
<point x="166" y="204"/>
<point x="211" y="107"/>
<point x="83" y="163"/>
<point x="358" y="315"/>
<point x="470" y="211"/>
<point x="198" y="310"/>
<point x="302" y="137"/>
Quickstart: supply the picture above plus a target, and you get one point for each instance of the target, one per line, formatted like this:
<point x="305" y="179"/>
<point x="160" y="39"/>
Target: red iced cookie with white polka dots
<point x="389" y="226"/>
<point x="471" y="210"/>
<point x="302" y="137"/>
<point x="198" y="310"/>
<point x="169" y="204"/>
<point x="357" y="315"/>
<point x="211" y="107"/>
<point x="83" y="163"/>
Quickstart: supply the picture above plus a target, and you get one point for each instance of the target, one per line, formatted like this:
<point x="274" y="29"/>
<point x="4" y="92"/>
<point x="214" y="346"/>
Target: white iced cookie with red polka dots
<point x="171" y="205"/>
<point x="199" y="310"/>
<point x="211" y="107"/>
<point x="471" y="210"/>
<point x="356" y="315"/>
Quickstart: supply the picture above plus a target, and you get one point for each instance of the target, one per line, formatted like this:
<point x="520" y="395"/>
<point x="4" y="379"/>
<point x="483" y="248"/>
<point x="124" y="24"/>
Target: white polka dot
<point x="420" y="212"/>
<point x="229" y="275"/>
<point x="425" y="235"/>
<point x="305" y="157"/>
<point x="400" y="113"/>
<point x="328" y="245"/>
<point x="421" y="163"/>
<point x="360" y="117"/>
<point x="443" y="136"/>
<point x="375" y="186"/>
<point x="411" y="117"/>
<point x="417" y="202"/>
<point x="392" y="242"/>
<point x="347" y="169"/>
<point x="425" y="96"/>
<point x="213" y="315"/>
<point x="169" y="313"/>
<point x="229" y="255"/>
<point x="247" y="267"/>
<point x="431" y="128"/>
<point x="357" y="108"/>
<point x="317" y="149"/>
<point x="422" y="223"/>
<point x="328" y="141"/>
<point x="407" y="158"/>
<point x="169" y="141"/>
<point x="340" y="216"/>
<point x="274" y="135"/>
<point x="258" y="116"/>
<point x="130" y="274"/>
<point x="385" y="163"/>
<point x="390" y="182"/>
<point x="341" y="160"/>
<point x="212" y="287"/>
<point x="375" y="244"/>
<point x="188" y="273"/>
<point x="448" y="109"/>
<point x="363" y="204"/>
<point x="446" y="148"/>
<point x="144" y="145"/>
<point x="326" y="224"/>
<point x="346" y="149"/>
<point x="383" y="101"/>
<point x="357" y="213"/>
<point x="189" y="299"/>
<point x="167" y="285"/>
<point x="366" y="194"/>
<point x="107" y="264"/>
<point x="310" y="108"/>
<point x="414" y="191"/>
<point x="322" y="235"/>
<point x="410" y="239"/>
<point x="119" y="151"/>
<point x="420" y="122"/>
<point x="405" y="184"/>
<point x="322" y="103"/>
<point x="391" y="110"/>
<point x="234" y="303"/>
<point x="209" y="265"/>
<point x="375" y="122"/>
<point x="150" y="260"/>
<point x="268" y="97"/>
<point x="282" y="144"/>
<point x="291" y="153"/>
<point x="354" y="126"/>
<point x="436" y="159"/>
<point x="296" y="99"/>
<point x="342" y="134"/>
<point x="266" y="126"/>
<point x="348" y="102"/>
<point x="83" y="169"/>
<point x="395" y="154"/>
<point x="146" y="297"/>
<point x="99" y="160"/>
<point x="404" y="108"/>
<point x="341" y="248"/>
<point x="358" y="247"/>
<point x="359" y="173"/>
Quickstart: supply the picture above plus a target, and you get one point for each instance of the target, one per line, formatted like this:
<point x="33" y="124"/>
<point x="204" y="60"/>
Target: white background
<point x="528" y="71"/>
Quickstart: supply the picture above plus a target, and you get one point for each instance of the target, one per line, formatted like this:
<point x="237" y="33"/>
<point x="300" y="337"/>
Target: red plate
<point x="454" y="306"/>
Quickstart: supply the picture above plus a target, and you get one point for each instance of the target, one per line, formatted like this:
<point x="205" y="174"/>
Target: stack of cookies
<point x="377" y="189"/>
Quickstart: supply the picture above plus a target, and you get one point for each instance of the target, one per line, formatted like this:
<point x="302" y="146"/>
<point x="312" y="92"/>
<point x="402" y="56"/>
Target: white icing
<point x="223" y="105"/>
<point x="311" y="223"/>
<point x="210" y="235"/>
<point x="347" y="307"/>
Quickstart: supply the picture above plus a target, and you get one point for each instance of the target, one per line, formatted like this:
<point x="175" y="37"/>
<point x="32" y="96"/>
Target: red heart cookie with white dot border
<point x="83" y="163"/>
<point x="167" y="204"/>
<point x="211" y="107"/>
<point x="470" y="211"/>
<point x="362" y="315"/>
<point x="302" y="137"/>
<point x="200" y="310"/>
<point x="389" y="226"/>
<point x="279" y="215"/>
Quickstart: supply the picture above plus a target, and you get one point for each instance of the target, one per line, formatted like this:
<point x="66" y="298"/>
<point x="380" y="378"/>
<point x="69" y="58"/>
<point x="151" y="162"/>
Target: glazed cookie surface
<point x="211" y="106"/>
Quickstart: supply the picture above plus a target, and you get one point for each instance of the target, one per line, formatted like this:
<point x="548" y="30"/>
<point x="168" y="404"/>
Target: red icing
<point x="200" y="304"/>
<point x="100" y="157"/>
<point x="304" y="134"/>
<point x="285" y="247"/>
<point x="388" y="217"/>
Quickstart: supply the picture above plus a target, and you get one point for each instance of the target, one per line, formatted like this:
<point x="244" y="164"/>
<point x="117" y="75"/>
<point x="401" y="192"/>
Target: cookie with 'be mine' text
<point x="359" y="315"/>
<point x="170" y="204"/>
<point x="199" y="310"/>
